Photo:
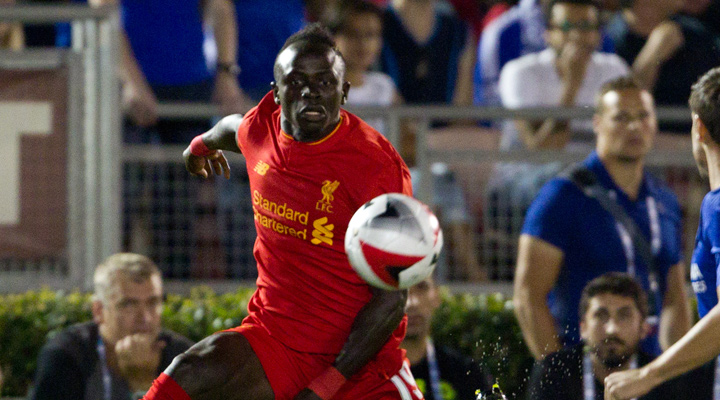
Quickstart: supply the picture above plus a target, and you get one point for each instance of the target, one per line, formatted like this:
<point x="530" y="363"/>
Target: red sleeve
<point x="165" y="388"/>
<point x="241" y="133"/>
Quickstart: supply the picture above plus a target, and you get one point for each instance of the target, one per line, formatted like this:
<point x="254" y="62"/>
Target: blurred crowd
<point x="516" y="53"/>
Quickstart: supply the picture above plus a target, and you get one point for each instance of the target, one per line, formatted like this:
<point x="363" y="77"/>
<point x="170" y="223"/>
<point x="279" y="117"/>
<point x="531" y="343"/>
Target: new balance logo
<point x="261" y="167"/>
<point x="322" y="232"/>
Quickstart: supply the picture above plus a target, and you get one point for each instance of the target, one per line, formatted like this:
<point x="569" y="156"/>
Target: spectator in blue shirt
<point x="569" y="238"/>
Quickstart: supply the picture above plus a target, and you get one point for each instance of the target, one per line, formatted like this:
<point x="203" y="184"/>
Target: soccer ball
<point x="393" y="241"/>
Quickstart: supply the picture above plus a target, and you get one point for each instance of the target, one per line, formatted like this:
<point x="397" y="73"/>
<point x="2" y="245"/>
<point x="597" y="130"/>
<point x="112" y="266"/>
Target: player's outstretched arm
<point x="371" y="329"/>
<point x="697" y="347"/>
<point x="204" y="155"/>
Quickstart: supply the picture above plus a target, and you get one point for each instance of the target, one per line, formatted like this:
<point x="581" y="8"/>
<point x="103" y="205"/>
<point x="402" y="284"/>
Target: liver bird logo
<point x="327" y="191"/>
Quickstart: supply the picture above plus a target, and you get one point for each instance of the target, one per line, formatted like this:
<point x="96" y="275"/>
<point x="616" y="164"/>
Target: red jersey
<point x="303" y="197"/>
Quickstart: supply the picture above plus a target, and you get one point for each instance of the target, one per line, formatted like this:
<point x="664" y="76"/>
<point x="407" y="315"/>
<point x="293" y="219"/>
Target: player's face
<point x="360" y="41"/>
<point x="626" y="125"/>
<point x="134" y="307"/>
<point x="612" y="327"/>
<point x="577" y="23"/>
<point x="310" y="89"/>
<point x="422" y="301"/>
<point x="697" y="148"/>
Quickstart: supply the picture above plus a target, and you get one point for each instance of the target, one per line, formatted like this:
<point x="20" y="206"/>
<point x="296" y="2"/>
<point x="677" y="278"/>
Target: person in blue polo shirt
<point x="569" y="238"/>
<point x="701" y="344"/>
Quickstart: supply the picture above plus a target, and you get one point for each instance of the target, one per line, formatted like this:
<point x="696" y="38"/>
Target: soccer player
<point x="315" y="330"/>
<point x="701" y="343"/>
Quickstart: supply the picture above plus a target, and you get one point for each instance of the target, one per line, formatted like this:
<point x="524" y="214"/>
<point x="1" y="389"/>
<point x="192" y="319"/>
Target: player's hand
<point x="138" y="358"/>
<point x="307" y="394"/>
<point x="229" y="96"/>
<point x="664" y="41"/>
<point x="140" y="104"/>
<point x="628" y="384"/>
<point x="205" y="166"/>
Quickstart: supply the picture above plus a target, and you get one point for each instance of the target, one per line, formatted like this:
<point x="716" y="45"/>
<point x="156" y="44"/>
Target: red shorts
<point x="290" y="371"/>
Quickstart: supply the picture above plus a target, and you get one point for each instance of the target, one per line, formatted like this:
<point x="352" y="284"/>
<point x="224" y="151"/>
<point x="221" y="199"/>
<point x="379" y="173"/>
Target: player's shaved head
<point x="313" y="39"/>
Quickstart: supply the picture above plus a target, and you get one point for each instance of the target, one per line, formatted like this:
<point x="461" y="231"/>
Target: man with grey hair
<point x="119" y="353"/>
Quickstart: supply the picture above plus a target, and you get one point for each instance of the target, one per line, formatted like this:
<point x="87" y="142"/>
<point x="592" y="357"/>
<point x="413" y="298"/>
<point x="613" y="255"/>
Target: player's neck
<point x="307" y="137"/>
<point x="416" y="348"/>
<point x="713" y="161"/>
<point x="626" y="174"/>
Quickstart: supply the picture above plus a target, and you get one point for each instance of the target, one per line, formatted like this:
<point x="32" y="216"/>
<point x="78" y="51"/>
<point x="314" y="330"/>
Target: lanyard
<point x="106" y="379"/>
<point x="655" y="244"/>
<point x="589" y="377"/>
<point x="433" y="370"/>
<point x="716" y="384"/>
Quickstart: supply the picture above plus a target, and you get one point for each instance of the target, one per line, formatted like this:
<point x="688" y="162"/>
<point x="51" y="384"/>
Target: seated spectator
<point x="613" y="308"/>
<point x="440" y="372"/>
<point x="428" y="52"/>
<point x="11" y="33"/>
<point x="517" y="32"/>
<point x="120" y="352"/>
<point x="568" y="73"/>
<point x="667" y="52"/>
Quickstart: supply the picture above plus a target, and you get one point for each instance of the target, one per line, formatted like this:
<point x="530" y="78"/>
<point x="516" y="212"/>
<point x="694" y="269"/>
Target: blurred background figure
<point x="440" y="372"/>
<point x="12" y="36"/>
<point x="262" y="28"/>
<point x="668" y="52"/>
<point x="357" y="27"/>
<point x="513" y="34"/>
<point x="568" y="73"/>
<point x="118" y="354"/>
<point x="706" y="11"/>
<point x="557" y="254"/>
<point x="613" y="308"/>
<point x="162" y="59"/>
<point x="428" y="52"/>
<point x="517" y="32"/>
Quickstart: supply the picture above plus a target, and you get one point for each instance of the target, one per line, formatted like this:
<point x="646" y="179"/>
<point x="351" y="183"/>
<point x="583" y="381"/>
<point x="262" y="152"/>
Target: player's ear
<point x="97" y="311"/>
<point x="345" y="90"/>
<point x="700" y="129"/>
<point x="276" y="96"/>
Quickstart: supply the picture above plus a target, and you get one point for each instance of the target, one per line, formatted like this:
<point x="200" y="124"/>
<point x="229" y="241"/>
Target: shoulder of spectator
<point x="77" y="337"/>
